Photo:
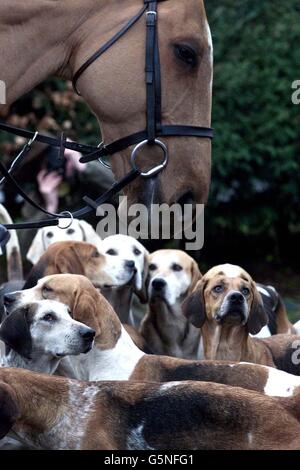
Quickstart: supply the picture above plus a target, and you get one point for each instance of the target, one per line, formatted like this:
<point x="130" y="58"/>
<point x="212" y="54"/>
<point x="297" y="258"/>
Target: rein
<point x="148" y="137"/>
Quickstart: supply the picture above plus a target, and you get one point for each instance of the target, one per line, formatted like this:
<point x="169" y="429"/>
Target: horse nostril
<point x="158" y="284"/>
<point x="8" y="299"/>
<point x="87" y="333"/>
<point x="129" y="264"/>
<point x="186" y="198"/>
<point x="236" y="298"/>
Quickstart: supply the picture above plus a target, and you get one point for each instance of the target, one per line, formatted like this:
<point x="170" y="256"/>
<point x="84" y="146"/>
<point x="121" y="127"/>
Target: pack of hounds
<point x="104" y="346"/>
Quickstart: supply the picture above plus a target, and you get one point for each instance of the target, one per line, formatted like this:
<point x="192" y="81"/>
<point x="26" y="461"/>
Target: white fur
<point x="111" y="364"/>
<point x="178" y="282"/>
<point x="136" y="440"/>
<point x="169" y="385"/>
<point x="230" y="270"/>
<point x="263" y="333"/>
<point x="50" y="340"/>
<point x="78" y="231"/>
<point x="263" y="291"/>
<point x="125" y="247"/>
<point x="280" y="383"/>
<point x="297" y="327"/>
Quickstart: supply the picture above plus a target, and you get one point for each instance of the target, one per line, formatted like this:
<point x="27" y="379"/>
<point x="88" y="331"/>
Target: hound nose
<point x="9" y="299"/>
<point x="236" y="298"/>
<point x="87" y="333"/>
<point x="158" y="284"/>
<point x="129" y="264"/>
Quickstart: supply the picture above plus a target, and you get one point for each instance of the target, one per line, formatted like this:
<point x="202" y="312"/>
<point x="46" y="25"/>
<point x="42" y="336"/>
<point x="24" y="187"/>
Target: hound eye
<point x="47" y="289"/>
<point x="136" y="251"/>
<point x="96" y="254"/>
<point x="245" y="291"/>
<point x="49" y="317"/>
<point x="186" y="54"/>
<point x="218" y="289"/>
<point x="49" y="235"/>
<point x="111" y="252"/>
<point x="70" y="231"/>
<point x="152" y="267"/>
<point x="177" y="267"/>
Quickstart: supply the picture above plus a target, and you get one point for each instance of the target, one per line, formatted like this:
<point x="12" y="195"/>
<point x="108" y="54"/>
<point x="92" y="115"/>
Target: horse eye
<point x="49" y="317"/>
<point x="177" y="267"/>
<point x="70" y="231"/>
<point x="152" y="267"/>
<point x="112" y="252"/>
<point x="217" y="289"/>
<point x="49" y="235"/>
<point x="186" y="54"/>
<point x="136" y="251"/>
<point x="245" y="291"/>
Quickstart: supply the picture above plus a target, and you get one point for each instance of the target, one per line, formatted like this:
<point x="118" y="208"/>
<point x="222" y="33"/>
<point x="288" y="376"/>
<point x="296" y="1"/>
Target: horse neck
<point x="37" y="39"/>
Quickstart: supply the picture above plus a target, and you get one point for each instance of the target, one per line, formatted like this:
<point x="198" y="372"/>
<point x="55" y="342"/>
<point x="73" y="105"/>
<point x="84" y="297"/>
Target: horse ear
<point x="258" y="317"/>
<point x="68" y="261"/>
<point x="193" y="307"/>
<point x="15" y="332"/>
<point x="85" y="308"/>
<point x="36" y="248"/>
<point x="9" y="411"/>
<point x="140" y="286"/>
<point x="195" y="276"/>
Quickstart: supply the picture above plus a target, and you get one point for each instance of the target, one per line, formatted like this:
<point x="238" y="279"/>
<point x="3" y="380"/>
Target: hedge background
<point x="253" y="215"/>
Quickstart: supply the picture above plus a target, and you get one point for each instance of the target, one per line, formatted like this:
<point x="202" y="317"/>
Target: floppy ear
<point x="193" y="307"/>
<point x="9" y="412"/>
<point x="89" y="234"/>
<point x="68" y="261"/>
<point x="140" y="285"/>
<point x="85" y="309"/>
<point x="36" y="248"/>
<point x="15" y="332"/>
<point x="196" y="276"/>
<point x="257" y="316"/>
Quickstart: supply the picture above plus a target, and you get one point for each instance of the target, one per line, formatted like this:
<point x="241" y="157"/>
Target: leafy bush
<point x="255" y="193"/>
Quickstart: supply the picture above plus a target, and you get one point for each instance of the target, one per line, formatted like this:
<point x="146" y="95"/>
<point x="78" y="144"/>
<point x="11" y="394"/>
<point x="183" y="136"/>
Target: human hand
<point x="48" y="187"/>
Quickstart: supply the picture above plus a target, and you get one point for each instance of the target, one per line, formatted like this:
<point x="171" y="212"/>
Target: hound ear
<point x="257" y="316"/>
<point x="89" y="234"/>
<point x="9" y="412"/>
<point x="196" y="276"/>
<point x="15" y="332"/>
<point x="141" y="280"/>
<point x="68" y="261"/>
<point x="193" y="307"/>
<point x="36" y="248"/>
<point x="85" y="309"/>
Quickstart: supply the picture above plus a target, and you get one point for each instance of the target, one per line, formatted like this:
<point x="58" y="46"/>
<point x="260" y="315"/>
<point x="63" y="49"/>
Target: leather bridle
<point x="155" y="129"/>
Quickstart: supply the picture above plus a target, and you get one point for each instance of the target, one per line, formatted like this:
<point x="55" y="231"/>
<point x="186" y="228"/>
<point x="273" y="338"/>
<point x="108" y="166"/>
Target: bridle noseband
<point x="155" y="129"/>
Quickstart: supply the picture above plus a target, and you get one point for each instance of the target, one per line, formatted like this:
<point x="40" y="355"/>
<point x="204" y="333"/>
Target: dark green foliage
<point x="255" y="193"/>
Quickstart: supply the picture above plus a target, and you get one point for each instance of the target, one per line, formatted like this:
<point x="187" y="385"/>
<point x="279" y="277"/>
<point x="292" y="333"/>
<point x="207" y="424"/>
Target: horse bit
<point x="148" y="137"/>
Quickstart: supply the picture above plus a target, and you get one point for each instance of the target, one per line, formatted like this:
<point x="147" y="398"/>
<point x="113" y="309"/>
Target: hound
<point x="125" y="247"/>
<point x="79" y="231"/>
<point x="115" y="356"/>
<point x="228" y="307"/>
<point x="82" y="258"/>
<point x="143" y="416"/>
<point x="172" y="276"/>
<point x="39" y="334"/>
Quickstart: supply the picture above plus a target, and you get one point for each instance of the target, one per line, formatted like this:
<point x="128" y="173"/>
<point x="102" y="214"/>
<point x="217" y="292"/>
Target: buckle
<point x="157" y="168"/>
<point x="151" y="18"/>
